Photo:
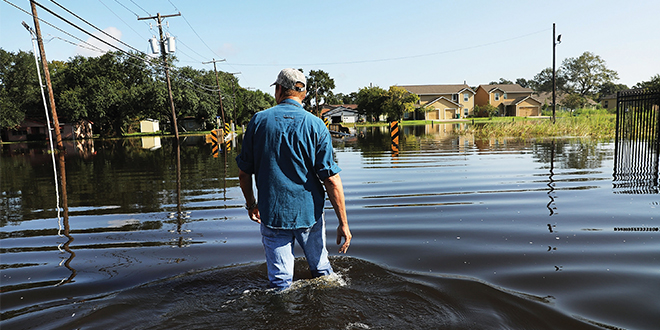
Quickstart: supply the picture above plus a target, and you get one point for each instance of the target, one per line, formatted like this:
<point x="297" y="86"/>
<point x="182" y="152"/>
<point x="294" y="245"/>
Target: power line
<point x="121" y="4"/>
<point x="51" y="25"/>
<point x="193" y="29"/>
<point x="77" y="27"/>
<point x="389" y="59"/>
<point x="92" y="25"/>
<point x="140" y="8"/>
<point x="130" y="27"/>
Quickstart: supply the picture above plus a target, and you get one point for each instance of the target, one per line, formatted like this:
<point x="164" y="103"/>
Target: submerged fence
<point x="637" y="145"/>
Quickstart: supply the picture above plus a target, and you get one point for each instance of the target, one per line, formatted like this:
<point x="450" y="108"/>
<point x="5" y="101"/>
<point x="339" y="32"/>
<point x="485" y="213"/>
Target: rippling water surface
<point x="449" y="233"/>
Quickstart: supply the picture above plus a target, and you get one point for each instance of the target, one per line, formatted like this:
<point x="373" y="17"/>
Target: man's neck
<point x="297" y="99"/>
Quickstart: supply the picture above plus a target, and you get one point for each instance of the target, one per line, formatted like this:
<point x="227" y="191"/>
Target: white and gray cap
<point x="288" y="78"/>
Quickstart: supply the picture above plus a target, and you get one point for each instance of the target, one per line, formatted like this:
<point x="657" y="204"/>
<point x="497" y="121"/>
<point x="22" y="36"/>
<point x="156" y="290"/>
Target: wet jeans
<point x="279" y="243"/>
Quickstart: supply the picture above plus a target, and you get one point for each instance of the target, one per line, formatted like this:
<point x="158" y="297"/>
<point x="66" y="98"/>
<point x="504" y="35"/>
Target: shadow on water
<point x="362" y="296"/>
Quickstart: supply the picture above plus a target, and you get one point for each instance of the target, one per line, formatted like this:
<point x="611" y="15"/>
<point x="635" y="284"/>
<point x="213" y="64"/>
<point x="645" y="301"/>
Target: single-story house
<point x="36" y="129"/>
<point x="340" y="114"/>
<point x="510" y="99"/>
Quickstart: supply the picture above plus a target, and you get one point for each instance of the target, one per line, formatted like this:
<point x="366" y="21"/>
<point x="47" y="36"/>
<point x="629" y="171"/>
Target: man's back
<point x="292" y="152"/>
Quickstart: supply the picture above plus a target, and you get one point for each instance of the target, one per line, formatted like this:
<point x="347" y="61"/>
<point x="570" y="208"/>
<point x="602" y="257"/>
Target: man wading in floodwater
<point x="289" y="151"/>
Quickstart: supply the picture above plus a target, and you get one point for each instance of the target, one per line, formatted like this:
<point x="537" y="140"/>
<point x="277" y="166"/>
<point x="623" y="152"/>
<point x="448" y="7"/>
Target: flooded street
<point x="449" y="233"/>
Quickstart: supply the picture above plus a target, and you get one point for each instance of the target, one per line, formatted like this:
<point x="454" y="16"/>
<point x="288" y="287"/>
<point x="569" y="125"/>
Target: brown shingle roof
<point x="509" y="88"/>
<point x="436" y="89"/>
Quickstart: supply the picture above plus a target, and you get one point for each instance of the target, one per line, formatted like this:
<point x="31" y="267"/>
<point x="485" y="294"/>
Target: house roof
<point x="442" y="97"/>
<point x="508" y="88"/>
<point x="523" y="98"/>
<point x="437" y="89"/>
<point x="340" y="111"/>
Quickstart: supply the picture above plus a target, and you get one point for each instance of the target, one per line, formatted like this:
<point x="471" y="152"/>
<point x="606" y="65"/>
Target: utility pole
<point x="44" y="63"/>
<point x="217" y="81"/>
<point x="160" y="17"/>
<point x="554" y="72"/>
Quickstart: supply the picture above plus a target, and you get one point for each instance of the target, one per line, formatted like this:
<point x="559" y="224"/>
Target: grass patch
<point x="600" y="126"/>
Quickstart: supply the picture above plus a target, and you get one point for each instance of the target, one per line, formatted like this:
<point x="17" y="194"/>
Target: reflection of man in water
<point x="289" y="151"/>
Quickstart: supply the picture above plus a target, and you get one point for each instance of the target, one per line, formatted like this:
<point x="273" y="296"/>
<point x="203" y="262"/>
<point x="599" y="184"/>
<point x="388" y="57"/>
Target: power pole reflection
<point x="180" y="214"/>
<point x="551" y="182"/>
<point x="65" y="224"/>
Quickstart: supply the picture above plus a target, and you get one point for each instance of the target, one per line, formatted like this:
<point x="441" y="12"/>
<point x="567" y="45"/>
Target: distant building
<point x="345" y="113"/>
<point x="511" y="99"/>
<point x="34" y="130"/>
<point x="444" y="101"/>
<point x="609" y="102"/>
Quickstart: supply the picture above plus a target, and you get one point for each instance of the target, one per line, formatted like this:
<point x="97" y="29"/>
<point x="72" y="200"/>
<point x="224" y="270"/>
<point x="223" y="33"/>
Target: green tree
<point x="523" y="82"/>
<point x="370" y="102"/>
<point x="654" y="83"/>
<point x="574" y="101"/>
<point x="501" y="82"/>
<point x="110" y="90"/>
<point x="319" y="87"/>
<point x="398" y="101"/>
<point x="542" y="82"/>
<point x="19" y="89"/>
<point x="610" y="88"/>
<point x="486" y="110"/>
<point x="586" y="73"/>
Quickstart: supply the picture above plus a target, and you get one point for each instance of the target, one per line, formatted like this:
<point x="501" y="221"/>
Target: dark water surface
<point x="449" y="233"/>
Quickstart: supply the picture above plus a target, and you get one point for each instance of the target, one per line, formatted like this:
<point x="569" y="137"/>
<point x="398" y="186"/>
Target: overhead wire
<point x="148" y="14"/>
<point x="119" y="17"/>
<point x="92" y="25"/>
<point x="51" y="25"/>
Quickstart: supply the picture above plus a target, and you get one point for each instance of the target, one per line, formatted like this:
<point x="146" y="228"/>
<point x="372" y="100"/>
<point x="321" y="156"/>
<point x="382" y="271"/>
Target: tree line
<point x="580" y="79"/>
<point x="116" y="90"/>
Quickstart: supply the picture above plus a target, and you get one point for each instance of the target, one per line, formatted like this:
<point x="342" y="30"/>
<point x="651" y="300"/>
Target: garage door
<point x="450" y="114"/>
<point x="528" y="111"/>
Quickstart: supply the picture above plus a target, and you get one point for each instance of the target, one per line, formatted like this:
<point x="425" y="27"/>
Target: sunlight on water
<point x="448" y="233"/>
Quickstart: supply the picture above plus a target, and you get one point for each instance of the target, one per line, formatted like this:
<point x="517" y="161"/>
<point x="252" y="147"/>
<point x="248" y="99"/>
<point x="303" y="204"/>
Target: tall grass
<point x="598" y="126"/>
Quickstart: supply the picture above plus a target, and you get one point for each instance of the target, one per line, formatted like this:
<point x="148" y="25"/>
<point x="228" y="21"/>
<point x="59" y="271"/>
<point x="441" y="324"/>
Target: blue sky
<point x="358" y="42"/>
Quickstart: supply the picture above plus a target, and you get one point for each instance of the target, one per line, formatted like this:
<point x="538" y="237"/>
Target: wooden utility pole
<point x="44" y="63"/>
<point x="159" y="18"/>
<point x="217" y="81"/>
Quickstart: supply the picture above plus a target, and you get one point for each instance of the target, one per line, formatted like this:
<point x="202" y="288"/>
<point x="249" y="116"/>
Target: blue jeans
<point x="279" y="243"/>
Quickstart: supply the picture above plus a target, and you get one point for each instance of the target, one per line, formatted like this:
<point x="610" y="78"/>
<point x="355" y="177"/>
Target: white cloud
<point x="94" y="47"/>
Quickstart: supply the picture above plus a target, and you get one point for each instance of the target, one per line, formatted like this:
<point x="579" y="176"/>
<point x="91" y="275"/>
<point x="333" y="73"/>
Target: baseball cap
<point x="288" y="78"/>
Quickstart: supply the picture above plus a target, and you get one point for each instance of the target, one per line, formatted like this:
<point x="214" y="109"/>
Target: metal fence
<point x="637" y="144"/>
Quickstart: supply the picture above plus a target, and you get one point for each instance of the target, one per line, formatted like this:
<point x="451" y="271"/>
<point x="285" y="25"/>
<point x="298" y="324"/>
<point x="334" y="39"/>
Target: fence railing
<point x="637" y="144"/>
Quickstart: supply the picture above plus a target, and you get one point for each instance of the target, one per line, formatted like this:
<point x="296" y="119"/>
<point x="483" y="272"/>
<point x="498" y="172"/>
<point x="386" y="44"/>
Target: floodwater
<point x="449" y="233"/>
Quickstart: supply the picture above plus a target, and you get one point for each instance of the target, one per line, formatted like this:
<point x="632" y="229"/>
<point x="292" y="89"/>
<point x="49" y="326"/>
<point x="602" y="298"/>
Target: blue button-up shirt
<point x="289" y="151"/>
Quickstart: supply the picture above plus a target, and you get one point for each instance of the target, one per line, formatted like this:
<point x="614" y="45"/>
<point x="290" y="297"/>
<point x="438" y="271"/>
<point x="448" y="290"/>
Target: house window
<point x="504" y="96"/>
<point x="606" y="105"/>
<point x="454" y="97"/>
<point x="466" y="97"/>
<point x="497" y="96"/>
<point x="466" y="111"/>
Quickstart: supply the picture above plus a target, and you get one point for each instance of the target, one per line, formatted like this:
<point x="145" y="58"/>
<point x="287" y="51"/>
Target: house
<point x="346" y="113"/>
<point x="546" y="99"/>
<point x="444" y="101"/>
<point x="510" y="99"/>
<point x="609" y="102"/>
<point x="33" y="129"/>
